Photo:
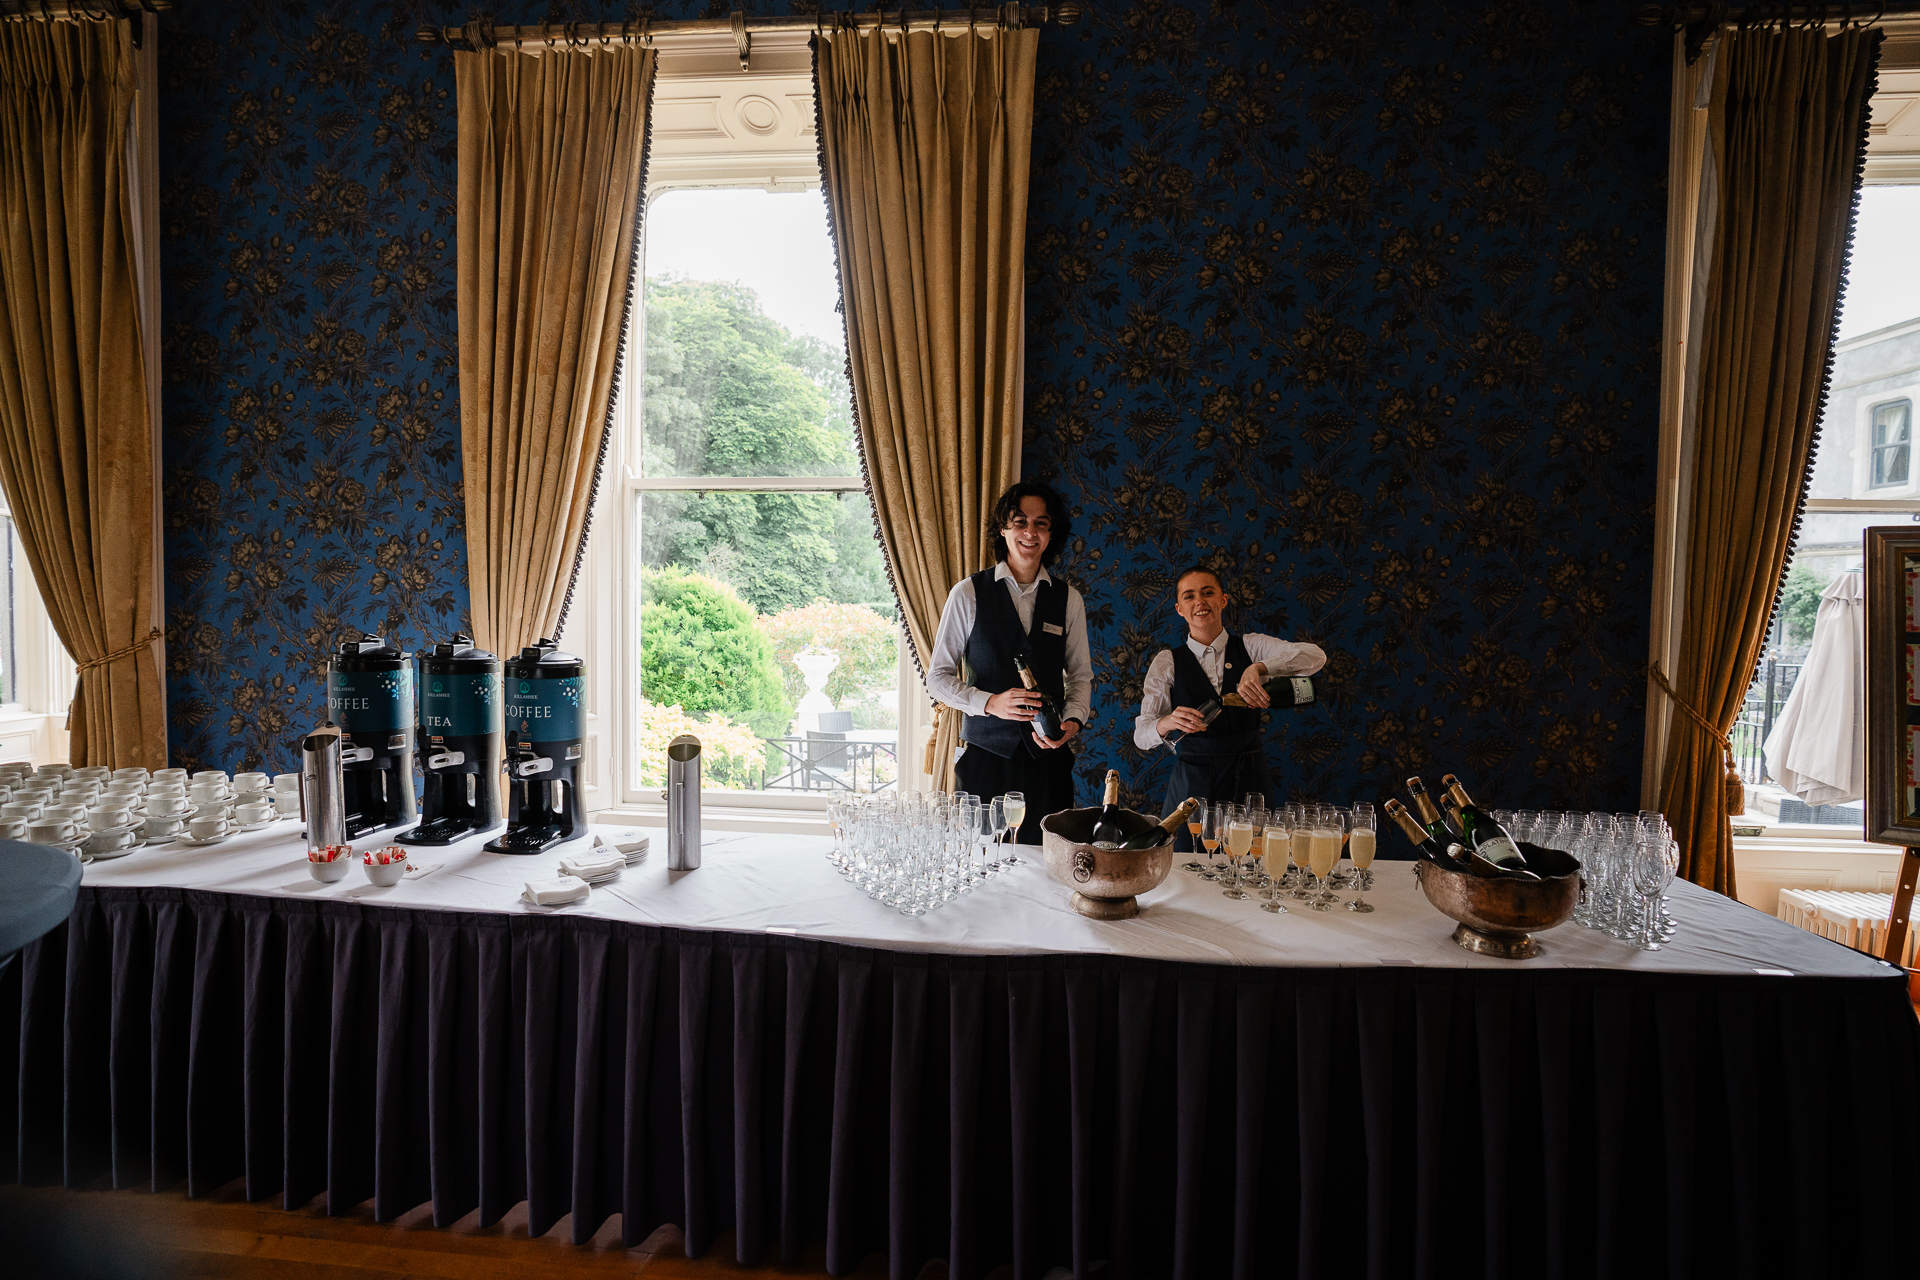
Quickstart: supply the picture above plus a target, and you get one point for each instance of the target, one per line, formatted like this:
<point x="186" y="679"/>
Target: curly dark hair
<point x="1009" y="503"/>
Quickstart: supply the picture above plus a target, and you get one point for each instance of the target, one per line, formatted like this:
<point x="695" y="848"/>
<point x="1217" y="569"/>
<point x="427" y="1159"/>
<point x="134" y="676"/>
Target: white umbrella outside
<point x="1815" y="750"/>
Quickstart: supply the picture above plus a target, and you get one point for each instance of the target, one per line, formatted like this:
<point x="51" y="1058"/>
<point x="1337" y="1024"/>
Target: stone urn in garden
<point x="815" y="666"/>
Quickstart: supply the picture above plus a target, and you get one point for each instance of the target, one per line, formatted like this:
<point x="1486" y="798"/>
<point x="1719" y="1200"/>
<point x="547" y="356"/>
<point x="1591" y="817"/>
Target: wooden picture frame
<point x="1893" y="708"/>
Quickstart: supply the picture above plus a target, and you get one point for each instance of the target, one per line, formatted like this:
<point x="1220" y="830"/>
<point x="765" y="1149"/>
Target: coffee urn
<point x="370" y="696"/>
<point x="545" y="749"/>
<point x="462" y="738"/>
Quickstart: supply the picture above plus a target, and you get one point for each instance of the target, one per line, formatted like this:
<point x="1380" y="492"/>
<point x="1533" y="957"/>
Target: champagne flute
<point x="997" y="831"/>
<point x="1323" y="850"/>
<point x="1016" y="810"/>
<point x="1196" y="823"/>
<point x="1239" y="840"/>
<point x="1210" y="835"/>
<point x="1299" y="846"/>
<point x="1275" y="844"/>
<point x="1360" y="845"/>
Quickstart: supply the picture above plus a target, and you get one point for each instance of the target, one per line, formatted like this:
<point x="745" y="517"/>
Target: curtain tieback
<point x="122" y="652"/>
<point x="1735" y="790"/>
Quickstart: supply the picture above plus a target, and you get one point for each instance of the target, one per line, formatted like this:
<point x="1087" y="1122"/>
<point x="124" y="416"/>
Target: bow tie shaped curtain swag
<point x="76" y="447"/>
<point x="924" y="145"/>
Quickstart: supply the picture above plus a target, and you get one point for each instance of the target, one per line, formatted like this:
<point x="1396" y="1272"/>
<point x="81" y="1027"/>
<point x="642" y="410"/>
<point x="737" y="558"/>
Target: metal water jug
<point x="322" y="788"/>
<point x="683" y="803"/>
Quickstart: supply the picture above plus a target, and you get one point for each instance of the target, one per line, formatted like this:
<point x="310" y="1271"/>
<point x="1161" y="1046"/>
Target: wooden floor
<point x="52" y="1234"/>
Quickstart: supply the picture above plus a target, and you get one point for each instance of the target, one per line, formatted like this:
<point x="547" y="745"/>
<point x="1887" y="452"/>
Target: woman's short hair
<point x="1009" y="504"/>
<point x="1192" y="569"/>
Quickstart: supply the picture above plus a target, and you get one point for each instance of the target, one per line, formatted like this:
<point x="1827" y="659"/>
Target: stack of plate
<point x="628" y="842"/>
<point x="596" y="866"/>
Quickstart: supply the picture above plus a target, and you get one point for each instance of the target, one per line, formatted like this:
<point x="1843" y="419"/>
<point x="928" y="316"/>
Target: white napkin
<point x="626" y="841"/>
<point x="551" y="893"/>
<point x="589" y="865"/>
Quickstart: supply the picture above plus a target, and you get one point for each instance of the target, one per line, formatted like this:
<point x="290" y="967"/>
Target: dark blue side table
<point x="37" y="887"/>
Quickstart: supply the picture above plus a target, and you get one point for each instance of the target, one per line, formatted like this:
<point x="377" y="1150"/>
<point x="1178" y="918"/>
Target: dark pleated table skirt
<point x="1168" y="1119"/>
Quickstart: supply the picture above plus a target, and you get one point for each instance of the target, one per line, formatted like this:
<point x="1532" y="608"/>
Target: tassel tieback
<point x="1734" y="799"/>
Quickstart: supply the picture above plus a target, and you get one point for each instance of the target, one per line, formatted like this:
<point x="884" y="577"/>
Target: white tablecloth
<point x="784" y="884"/>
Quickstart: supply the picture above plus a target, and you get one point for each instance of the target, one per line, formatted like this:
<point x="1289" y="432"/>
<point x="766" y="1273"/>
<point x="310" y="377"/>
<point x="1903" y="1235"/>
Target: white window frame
<point x="708" y="130"/>
<point x="1873" y="445"/>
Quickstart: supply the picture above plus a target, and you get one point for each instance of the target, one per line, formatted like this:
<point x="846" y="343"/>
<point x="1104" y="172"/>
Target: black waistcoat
<point x="991" y="646"/>
<point x="1235" y="729"/>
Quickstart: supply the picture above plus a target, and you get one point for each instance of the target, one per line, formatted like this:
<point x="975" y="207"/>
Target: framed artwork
<point x="1893" y="706"/>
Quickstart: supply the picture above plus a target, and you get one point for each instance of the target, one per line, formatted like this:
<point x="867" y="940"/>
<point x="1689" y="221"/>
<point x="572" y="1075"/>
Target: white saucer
<point x="258" y="826"/>
<point x="596" y="881"/>
<point x="159" y="840"/>
<point x="188" y="839"/>
<point x="110" y="854"/>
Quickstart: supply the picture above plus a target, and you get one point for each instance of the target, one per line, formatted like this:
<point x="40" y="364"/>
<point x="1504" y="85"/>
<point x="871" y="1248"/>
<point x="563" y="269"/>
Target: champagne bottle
<point x="1168" y="828"/>
<point x="1108" y="833"/>
<point x="1425" y="843"/>
<point x="1482" y="832"/>
<point x="1283" y="692"/>
<point x="1047" y="718"/>
<point x="1429" y="816"/>
<point x="1208" y="714"/>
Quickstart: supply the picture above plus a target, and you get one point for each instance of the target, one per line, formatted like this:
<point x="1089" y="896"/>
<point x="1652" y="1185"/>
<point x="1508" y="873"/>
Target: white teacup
<point x="170" y="775"/>
<point x="42" y="782"/>
<point x="208" y="828"/>
<point x="162" y="828"/>
<point x="167" y="806"/>
<point x="81" y="792"/>
<point x="100" y="842"/>
<point x="211" y="775"/>
<point x="287" y="782"/>
<point x="254" y="781"/>
<point x="254" y="812"/>
<point x="21" y="811"/>
<point x="167" y="787"/>
<point x="209" y="795"/>
<point x="50" y="831"/>
<point x="74" y="813"/>
<point x="217" y="809"/>
<point x="100" y="771"/>
<point x="135" y="772"/>
<point x="13" y="829"/>
<point x="57" y="770"/>
<point x="110" y="818"/>
<point x="285" y="803"/>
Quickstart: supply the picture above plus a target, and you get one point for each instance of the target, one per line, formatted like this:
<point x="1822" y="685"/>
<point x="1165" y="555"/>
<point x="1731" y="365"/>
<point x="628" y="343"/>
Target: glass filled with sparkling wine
<point x="1016" y="809"/>
<point x="1239" y="840"/>
<point x="1274" y="846"/>
<point x="1360" y="846"/>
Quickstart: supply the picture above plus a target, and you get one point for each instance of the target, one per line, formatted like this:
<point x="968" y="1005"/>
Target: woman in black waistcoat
<point x="1227" y="759"/>
<point x="1013" y="608"/>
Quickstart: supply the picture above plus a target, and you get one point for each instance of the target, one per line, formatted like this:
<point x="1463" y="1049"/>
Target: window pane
<point x="745" y="374"/>
<point x="768" y="631"/>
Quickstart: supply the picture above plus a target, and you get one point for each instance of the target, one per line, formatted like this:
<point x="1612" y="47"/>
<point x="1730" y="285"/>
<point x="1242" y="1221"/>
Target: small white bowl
<point x="384" y="874"/>
<point x="328" y="872"/>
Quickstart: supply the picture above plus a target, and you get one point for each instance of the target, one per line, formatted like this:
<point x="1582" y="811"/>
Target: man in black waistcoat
<point x="1227" y="759"/>
<point x="1013" y="608"/>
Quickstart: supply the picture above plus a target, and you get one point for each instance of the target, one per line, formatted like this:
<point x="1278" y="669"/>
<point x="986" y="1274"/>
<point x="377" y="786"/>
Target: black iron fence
<point x="1765" y="698"/>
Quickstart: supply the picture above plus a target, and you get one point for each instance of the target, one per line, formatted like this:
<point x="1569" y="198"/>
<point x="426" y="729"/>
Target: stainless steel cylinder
<point x="323" y="793"/>
<point x="683" y="803"/>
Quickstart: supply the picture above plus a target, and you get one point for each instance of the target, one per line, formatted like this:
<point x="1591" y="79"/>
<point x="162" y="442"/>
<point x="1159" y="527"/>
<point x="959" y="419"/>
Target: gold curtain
<point x="1788" y="135"/>
<point x="76" y="451"/>
<point x="552" y="161"/>
<point x="924" y="141"/>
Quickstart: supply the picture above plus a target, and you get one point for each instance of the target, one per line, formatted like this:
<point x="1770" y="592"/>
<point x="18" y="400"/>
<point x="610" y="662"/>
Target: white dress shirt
<point x="1280" y="657"/>
<point x="946" y="674"/>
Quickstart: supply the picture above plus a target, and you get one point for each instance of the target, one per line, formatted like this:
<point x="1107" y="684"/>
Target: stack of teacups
<point x="113" y="825"/>
<point x="167" y="806"/>
<point x="253" y="800"/>
<point x="211" y="795"/>
<point x="286" y="794"/>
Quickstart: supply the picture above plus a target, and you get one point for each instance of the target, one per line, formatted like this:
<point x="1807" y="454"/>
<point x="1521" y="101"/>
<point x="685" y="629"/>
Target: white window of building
<point x="1892" y="423"/>
<point x="740" y="590"/>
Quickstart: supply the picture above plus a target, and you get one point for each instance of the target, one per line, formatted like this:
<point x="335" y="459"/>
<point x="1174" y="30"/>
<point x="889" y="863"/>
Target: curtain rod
<point x="482" y="34"/>
<point x="1701" y="21"/>
<point x="79" y="10"/>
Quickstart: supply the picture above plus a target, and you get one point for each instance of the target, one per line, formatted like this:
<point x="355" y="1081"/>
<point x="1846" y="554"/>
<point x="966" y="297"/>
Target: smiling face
<point x="1199" y="598"/>
<point x="1028" y="531"/>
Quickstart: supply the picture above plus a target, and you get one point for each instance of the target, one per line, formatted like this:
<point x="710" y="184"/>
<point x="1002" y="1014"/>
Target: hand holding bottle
<point x="1013" y="704"/>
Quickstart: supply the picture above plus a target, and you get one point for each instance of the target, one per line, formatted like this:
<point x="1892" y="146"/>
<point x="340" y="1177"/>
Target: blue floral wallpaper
<point x="1357" y="302"/>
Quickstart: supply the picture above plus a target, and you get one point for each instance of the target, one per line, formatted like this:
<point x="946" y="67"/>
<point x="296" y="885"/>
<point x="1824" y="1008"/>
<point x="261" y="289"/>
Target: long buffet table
<point x="1206" y="1090"/>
